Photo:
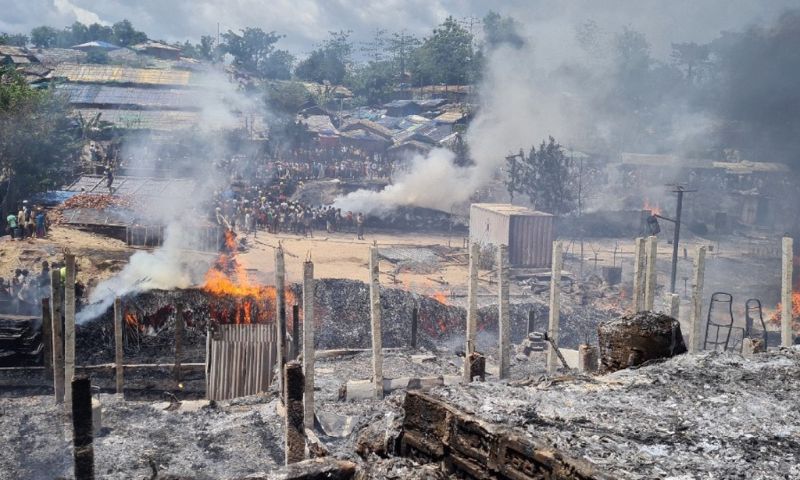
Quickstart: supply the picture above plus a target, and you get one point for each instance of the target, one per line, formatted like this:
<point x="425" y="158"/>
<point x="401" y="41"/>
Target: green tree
<point x="499" y="30"/>
<point x="100" y="33"/>
<point x="14" y="39"/>
<point x="692" y="58"/>
<point x="402" y="46"/>
<point x="549" y="179"/>
<point x="285" y="98"/>
<point x="446" y="56"/>
<point x="516" y="176"/>
<point x="208" y="49"/>
<point x="37" y="142"/>
<point x="329" y="62"/>
<point x="374" y="81"/>
<point x="79" y="33"/>
<point x="254" y="50"/>
<point x="125" y="35"/>
<point x="44" y="37"/>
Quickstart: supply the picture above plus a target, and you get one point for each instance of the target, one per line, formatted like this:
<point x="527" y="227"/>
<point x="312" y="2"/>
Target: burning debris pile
<point x="710" y="416"/>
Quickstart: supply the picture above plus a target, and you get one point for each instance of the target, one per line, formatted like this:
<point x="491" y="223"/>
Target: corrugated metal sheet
<point x="93" y="94"/>
<point x="166" y="120"/>
<point x="529" y="234"/>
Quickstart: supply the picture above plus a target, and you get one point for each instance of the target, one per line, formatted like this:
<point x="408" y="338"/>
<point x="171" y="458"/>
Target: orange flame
<point x="654" y="209"/>
<point x="253" y="303"/>
<point x="132" y="322"/>
<point x="440" y="297"/>
<point x="776" y="317"/>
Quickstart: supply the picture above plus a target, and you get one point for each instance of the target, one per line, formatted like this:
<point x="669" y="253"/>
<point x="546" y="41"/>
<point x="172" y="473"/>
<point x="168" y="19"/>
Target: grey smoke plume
<point x="597" y="86"/>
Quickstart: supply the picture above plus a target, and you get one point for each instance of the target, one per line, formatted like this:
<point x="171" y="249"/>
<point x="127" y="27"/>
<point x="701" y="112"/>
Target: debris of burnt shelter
<point x="420" y="240"/>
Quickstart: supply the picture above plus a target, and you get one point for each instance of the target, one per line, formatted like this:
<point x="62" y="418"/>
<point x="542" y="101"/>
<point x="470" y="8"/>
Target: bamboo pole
<point x="118" y="350"/>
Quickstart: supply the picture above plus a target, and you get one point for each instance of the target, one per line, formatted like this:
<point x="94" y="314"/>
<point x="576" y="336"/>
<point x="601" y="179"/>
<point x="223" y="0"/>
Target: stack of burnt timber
<point x="20" y="340"/>
<point x="468" y="447"/>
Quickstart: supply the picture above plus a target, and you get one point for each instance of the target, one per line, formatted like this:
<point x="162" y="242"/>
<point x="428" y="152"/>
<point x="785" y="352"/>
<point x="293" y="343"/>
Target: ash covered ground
<point x="716" y="416"/>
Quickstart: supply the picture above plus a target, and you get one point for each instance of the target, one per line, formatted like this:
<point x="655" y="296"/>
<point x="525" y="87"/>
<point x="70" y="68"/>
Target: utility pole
<point x="680" y="190"/>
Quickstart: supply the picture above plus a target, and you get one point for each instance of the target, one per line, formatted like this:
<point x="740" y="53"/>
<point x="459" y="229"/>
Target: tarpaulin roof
<point x="94" y="94"/>
<point x="167" y="120"/>
<point x="85" y="73"/>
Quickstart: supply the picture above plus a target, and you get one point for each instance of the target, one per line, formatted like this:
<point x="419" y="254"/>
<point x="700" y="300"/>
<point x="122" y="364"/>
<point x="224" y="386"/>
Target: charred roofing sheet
<point x="93" y="94"/>
<point x="136" y="186"/>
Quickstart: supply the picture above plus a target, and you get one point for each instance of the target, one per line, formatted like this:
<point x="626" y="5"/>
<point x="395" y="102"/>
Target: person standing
<point x="360" y="226"/>
<point x="41" y="223"/>
<point x="13" y="228"/>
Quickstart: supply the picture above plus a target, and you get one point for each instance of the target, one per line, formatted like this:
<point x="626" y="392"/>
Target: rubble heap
<point x="699" y="416"/>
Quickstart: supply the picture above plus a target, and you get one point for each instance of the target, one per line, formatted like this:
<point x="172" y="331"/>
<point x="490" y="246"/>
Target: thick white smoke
<point x="166" y="267"/>
<point x="174" y="264"/>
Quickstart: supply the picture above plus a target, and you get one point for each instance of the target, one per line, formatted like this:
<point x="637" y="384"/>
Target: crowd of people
<point x="247" y="214"/>
<point x="27" y="222"/>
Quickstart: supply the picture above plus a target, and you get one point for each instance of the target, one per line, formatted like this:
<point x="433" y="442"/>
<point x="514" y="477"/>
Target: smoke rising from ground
<point x="602" y="80"/>
<point x="189" y="154"/>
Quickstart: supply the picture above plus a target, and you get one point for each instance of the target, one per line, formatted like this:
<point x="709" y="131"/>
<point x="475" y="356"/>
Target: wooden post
<point x="179" y="328"/>
<point x="375" y="320"/>
<point x="414" y="321"/>
<point x="118" y="345"/>
<point x="47" y="339"/>
<point x="786" y="292"/>
<point x="503" y="314"/>
<point x="472" y="309"/>
<point x="674" y="303"/>
<point x="531" y="320"/>
<point x="696" y="332"/>
<point x="638" y="275"/>
<point x="83" y="433"/>
<point x="308" y="343"/>
<point x="69" y="329"/>
<point x="295" y="331"/>
<point x="280" y="312"/>
<point x="651" y="273"/>
<point x="587" y="358"/>
<point x="555" y="308"/>
<point x="294" y="430"/>
<point x="56" y="309"/>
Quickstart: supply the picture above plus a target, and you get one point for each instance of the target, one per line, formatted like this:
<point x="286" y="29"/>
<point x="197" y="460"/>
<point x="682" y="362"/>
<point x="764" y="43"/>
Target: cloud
<point x="307" y="22"/>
